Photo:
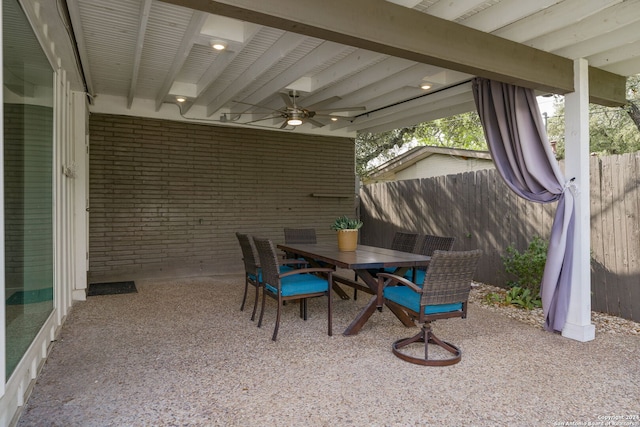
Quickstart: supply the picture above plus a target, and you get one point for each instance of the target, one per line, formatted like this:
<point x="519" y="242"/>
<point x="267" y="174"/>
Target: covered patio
<point x="159" y="147"/>
<point x="179" y="352"/>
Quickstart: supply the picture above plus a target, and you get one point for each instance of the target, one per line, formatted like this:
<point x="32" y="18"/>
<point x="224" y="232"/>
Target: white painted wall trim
<point x="18" y="387"/>
<point x="578" y="325"/>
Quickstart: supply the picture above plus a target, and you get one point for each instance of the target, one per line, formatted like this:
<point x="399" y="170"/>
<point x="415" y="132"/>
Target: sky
<point x="546" y="105"/>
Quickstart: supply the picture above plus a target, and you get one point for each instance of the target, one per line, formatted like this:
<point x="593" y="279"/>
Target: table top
<point x="363" y="257"/>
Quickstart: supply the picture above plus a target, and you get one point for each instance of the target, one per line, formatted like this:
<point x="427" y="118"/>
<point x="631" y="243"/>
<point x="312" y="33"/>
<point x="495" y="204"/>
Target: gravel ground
<point x="180" y="353"/>
<point x="604" y="323"/>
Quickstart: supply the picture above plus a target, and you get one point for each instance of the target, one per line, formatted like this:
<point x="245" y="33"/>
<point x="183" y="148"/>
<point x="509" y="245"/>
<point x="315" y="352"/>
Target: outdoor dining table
<point x="365" y="260"/>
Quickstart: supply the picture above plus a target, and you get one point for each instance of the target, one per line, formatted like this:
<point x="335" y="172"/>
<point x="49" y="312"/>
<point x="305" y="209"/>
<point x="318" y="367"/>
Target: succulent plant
<point x="345" y="223"/>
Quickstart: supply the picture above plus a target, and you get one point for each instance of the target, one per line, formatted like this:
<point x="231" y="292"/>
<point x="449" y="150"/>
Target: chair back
<point x="405" y="242"/>
<point x="430" y="243"/>
<point x="299" y="235"/>
<point x="249" y="253"/>
<point x="268" y="261"/>
<point x="449" y="276"/>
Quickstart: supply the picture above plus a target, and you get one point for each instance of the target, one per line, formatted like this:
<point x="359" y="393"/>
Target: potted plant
<point x="347" y="229"/>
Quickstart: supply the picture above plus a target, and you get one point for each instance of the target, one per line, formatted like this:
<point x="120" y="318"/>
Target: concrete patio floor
<point x="179" y="352"/>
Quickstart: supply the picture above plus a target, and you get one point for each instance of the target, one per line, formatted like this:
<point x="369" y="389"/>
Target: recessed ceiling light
<point x="425" y="86"/>
<point x="334" y="119"/>
<point x="180" y="99"/>
<point x="219" y="44"/>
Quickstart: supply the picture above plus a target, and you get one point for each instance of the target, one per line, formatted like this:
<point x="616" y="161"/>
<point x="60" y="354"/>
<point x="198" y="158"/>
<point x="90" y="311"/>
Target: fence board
<point x="598" y="276"/>
<point x="480" y="211"/>
<point x="435" y="201"/>
<point x="621" y="176"/>
<point x="634" y="236"/>
<point x="464" y="241"/>
<point x="453" y="218"/>
<point x="609" y="219"/>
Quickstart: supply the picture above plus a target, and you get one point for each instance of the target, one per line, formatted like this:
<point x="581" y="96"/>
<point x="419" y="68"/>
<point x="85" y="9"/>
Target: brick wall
<point x="167" y="197"/>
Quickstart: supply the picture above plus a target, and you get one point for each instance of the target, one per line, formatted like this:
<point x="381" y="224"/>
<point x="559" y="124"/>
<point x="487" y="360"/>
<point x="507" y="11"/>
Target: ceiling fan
<point x="293" y="114"/>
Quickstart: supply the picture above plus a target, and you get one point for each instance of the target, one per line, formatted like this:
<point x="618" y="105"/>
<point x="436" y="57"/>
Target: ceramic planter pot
<point x="347" y="240"/>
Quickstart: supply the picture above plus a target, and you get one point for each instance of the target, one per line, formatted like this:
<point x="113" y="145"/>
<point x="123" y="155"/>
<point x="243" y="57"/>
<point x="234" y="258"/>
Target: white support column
<point x="80" y="196"/>
<point x="578" y="325"/>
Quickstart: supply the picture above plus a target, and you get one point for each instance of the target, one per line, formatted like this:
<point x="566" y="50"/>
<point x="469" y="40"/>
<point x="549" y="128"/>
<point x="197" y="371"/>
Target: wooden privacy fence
<point x="480" y="211"/>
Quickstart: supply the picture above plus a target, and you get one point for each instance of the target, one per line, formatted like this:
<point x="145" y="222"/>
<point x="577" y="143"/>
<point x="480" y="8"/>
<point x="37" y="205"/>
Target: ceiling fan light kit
<point x="293" y="114"/>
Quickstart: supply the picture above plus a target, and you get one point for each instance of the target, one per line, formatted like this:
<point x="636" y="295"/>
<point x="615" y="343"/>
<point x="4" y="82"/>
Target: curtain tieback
<point x="571" y="186"/>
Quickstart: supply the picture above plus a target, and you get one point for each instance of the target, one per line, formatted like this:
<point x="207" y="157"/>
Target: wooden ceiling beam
<point x="384" y="27"/>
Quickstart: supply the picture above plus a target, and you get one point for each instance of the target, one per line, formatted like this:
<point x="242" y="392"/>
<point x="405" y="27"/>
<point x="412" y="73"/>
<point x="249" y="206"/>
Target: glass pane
<point x="28" y="183"/>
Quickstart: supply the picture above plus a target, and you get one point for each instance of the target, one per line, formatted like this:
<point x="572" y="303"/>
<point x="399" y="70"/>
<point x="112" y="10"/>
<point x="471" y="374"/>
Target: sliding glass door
<point x="28" y="184"/>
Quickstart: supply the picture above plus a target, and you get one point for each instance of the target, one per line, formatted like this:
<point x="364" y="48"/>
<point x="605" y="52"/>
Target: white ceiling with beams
<point x="139" y="57"/>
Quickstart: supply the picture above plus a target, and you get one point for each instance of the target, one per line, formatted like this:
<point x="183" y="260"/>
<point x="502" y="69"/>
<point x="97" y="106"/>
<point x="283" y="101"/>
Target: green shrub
<point x="523" y="298"/>
<point x="527" y="266"/>
<point x="517" y="296"/>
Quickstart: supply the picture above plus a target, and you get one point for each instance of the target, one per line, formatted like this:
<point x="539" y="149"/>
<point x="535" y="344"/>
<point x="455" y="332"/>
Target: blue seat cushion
<point x="283" y="269"/>
<point x="298" y="284"/>
<point x="419" y="276"/>
<point x="406" y="297"/>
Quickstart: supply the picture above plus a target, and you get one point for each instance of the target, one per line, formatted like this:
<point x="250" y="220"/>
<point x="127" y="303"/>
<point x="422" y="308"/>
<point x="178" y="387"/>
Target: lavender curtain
<point x="521" y="152"/>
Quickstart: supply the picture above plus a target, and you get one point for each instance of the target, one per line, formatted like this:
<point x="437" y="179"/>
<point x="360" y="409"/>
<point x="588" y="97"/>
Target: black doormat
<point x="30" y="297"/>
<point x="111" y="288"/>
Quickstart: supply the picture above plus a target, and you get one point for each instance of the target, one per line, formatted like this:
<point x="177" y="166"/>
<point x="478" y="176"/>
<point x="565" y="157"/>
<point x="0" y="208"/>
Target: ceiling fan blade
<point x="240" y="113"/>
<point x="340" y="110"/>
<point x="262" y="119"/>
<point x="315" y="123"/>
<point x="287" y="100"/>
<point x="255" y="105"/>
<point x="320" y="105"/>
<point x="284" y="124"/>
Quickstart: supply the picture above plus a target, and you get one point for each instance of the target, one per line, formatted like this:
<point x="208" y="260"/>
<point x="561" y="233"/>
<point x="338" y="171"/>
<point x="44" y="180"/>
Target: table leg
<point x="338" y="290"/>
<point x="374" y="303"/>
<point x="371" y="281"/>
<point x="362" y="317"/>
<point x="377" y="301"/>
<point x="402" y="316"/>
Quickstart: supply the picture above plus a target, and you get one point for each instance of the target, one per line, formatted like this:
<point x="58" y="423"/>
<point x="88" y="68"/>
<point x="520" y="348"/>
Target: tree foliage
<point x="375" y="148"/>
<point x="612" y="130"/>
<point x="461" y="131"/>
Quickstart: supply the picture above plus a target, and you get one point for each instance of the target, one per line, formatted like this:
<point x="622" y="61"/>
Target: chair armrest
<point x="400" y="280"/>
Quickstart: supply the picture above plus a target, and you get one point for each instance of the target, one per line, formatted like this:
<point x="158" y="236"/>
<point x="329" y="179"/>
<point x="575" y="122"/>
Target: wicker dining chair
<point x="294" y="236"/>
<point x="253" y="272"/>
<point x="299" y="235"/>
<point x="405" y="242"/>
<point x="251" y="269"/>
<point x="444" y="294"/>
<point x="299" y="284"/>
<point x="426" y="245"/>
